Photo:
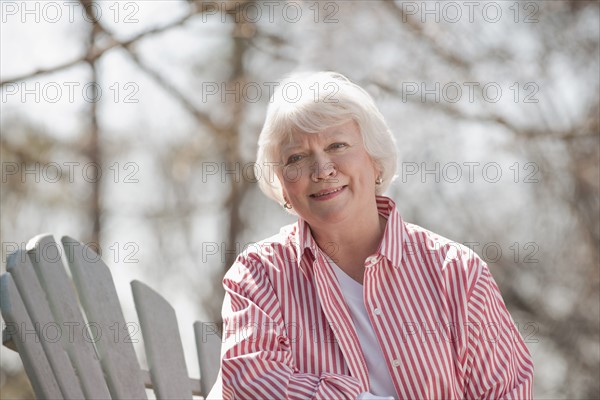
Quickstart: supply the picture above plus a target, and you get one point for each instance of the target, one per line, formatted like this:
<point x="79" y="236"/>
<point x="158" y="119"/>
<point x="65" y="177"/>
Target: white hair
<point x="310" y="103"/>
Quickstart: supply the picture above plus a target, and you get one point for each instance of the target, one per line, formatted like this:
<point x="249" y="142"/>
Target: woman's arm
<point x="257" y="362"/>
<point x="498" y="364"/>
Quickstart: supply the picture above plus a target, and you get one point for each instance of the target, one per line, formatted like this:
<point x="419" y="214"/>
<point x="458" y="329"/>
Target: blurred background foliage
<point x="133" y="126"/>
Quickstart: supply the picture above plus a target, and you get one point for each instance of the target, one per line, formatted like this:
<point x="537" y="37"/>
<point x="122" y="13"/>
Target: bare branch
<point x="417" y="29"/>
<point x="523" y="133"/>
<point x="202" y="118"/>
<point x="93" y="55"/>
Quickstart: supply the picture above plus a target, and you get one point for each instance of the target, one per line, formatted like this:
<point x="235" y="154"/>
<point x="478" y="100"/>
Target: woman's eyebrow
<point x="290" y="147"/>
<point x="325" y="137"/>
<point x="334" y="135"/>
<point x="336" y="132"/>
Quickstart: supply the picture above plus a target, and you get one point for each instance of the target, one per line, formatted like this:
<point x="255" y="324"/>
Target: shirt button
<point x="396" y="363"/>
<point x="377" y="311"/>
<point x="371" y="260"/>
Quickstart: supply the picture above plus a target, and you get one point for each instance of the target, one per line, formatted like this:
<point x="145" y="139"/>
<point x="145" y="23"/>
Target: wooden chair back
<point x="73" y="338"/>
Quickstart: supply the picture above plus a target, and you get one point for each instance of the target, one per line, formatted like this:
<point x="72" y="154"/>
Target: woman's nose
<point x="323" y="168"/>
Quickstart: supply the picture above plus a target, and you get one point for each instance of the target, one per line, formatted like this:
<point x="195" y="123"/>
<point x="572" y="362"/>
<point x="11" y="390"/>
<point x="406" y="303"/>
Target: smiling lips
<point x="327" y="193"/>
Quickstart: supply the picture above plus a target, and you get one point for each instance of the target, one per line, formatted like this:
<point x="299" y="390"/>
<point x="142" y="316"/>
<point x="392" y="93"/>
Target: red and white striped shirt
<point x="438" y="315"/>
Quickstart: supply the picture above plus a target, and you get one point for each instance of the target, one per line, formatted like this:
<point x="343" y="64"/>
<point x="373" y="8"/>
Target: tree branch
<point x="93" y="55"/>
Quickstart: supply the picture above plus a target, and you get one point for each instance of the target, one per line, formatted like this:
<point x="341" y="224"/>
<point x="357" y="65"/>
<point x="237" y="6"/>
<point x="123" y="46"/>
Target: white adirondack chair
<point x="65" y="330"/>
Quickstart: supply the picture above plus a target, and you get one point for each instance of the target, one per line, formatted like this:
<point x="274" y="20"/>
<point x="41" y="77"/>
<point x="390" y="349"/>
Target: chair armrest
<point x="194" y="383"/>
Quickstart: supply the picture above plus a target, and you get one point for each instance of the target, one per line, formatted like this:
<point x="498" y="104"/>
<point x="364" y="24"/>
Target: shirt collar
<point x="304" y="240"/>
<point x="391" y="244"/>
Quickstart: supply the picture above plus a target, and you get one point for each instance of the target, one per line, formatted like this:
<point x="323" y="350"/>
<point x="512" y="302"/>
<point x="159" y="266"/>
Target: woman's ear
<point x="377" y="170"/>
<point x="376" y="167"/>
<point x="284" y="195"/>
<point x="280" y="181"/>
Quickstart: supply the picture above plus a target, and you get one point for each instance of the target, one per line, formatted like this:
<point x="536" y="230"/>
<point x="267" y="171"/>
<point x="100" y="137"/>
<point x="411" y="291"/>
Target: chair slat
<point x="162" y="341"/>
<point x="208" y="345"/>
<point x="27" y="342"/>
<point x="101" y="304"/>
<point x="45" y="255"/>
<point x="48" y="330"/>
<point x="51" y="356"/>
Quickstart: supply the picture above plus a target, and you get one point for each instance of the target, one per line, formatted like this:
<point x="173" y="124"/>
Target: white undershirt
<point x="379" y="376"/>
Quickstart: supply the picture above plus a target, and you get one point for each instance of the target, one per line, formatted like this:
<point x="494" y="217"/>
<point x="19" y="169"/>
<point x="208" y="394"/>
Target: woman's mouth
<point x="327" y="194"/>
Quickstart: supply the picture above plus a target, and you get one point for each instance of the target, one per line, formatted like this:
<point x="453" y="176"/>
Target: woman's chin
<point x="329" y="217"/>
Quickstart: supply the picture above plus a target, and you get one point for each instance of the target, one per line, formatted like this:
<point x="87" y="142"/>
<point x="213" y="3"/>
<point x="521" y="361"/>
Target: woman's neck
<point x="349" y="243"/>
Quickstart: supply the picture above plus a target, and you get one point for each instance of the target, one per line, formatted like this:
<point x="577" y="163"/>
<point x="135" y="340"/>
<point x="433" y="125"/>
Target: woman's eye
<point x="336" y="146"/>
<point x="293" y="159"/>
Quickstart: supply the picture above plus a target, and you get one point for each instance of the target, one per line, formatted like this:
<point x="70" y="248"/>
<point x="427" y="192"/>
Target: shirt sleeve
<point x="256" y="358"/>
<point x="499" y="365"/>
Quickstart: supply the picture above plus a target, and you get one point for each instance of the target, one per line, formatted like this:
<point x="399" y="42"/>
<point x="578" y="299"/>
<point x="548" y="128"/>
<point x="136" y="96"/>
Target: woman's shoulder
<point x="269" y="253"/>
<point x="285" y="240"/>
<point x="446" y="259"/>
<point x="433" y="244"/>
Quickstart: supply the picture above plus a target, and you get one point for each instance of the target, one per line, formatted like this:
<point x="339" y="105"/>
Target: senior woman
<point x="351" y="301"/>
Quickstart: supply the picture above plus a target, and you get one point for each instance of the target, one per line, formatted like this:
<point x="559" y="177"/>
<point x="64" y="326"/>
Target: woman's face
<point x="328" y="176"/>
